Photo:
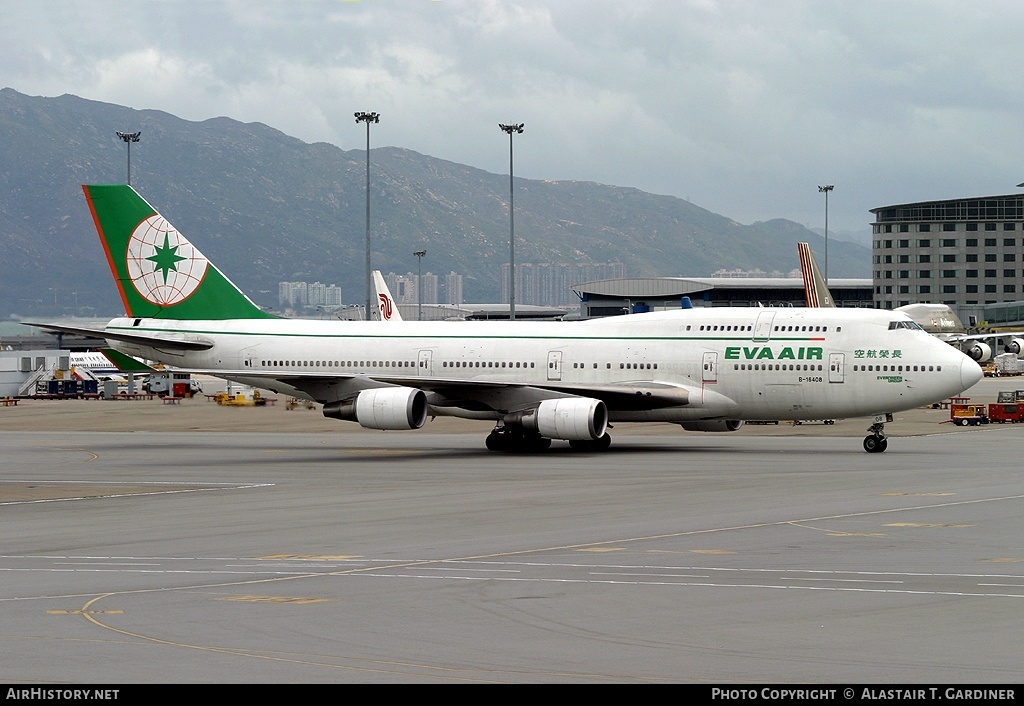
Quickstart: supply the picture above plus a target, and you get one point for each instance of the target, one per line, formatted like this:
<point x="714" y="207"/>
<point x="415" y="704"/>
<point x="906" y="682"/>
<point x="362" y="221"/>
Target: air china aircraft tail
<point x="704" y="369"/>
<point x="387" y="310"/>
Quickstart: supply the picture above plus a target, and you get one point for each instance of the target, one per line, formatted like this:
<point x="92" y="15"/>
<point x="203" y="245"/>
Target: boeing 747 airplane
<point x="705" y="369"/>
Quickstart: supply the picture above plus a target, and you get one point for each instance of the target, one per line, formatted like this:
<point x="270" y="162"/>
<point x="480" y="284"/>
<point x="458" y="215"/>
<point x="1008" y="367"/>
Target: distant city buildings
<point x="550" y="283"/>
<point x="755" y="274"/>
<point x="404" y="289"/>
<point x="436" y="289"/>
<point x="298" y="295"/>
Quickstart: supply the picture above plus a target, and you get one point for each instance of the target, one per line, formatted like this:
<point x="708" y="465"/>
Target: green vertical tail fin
<point x="158" y="272"/>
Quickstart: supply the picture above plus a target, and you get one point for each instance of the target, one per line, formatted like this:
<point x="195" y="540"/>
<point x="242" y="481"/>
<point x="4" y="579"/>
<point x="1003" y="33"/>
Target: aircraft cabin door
<point x="763" y="325"/>
<point x="554" y="365"/>
<point x="424" y="365"/>
<point x="709" y="371"/>
<point x="247" y="357"/>
<point x="836" y="365"/>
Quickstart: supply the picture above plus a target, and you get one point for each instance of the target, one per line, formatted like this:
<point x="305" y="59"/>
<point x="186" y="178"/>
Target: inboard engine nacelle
<point x="979" y="352"/>
<point x="383" y="408"/>
<point x="713" y="425"/>
<point x="570" y="419"/>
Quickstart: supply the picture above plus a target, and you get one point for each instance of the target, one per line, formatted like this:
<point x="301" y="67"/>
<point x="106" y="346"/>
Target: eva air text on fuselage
<point x="766" y="353"/>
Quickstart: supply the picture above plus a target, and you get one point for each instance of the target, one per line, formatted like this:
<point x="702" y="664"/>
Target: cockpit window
<point x="913" y="325"/>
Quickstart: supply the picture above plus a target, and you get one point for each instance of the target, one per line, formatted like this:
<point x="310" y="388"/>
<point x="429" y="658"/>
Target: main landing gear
<point x="514" y="440"/>
<point x="876" y="443"/>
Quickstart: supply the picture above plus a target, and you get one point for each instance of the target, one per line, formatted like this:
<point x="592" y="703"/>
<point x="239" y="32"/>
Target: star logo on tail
<point x="164" y="267"/>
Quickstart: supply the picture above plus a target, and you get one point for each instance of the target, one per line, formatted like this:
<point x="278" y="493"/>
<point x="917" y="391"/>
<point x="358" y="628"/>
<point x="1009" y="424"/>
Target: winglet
<point x="815" y="288"/>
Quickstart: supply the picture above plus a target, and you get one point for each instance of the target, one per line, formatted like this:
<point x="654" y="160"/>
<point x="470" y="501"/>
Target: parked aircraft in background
<point x="387" y="310"/>
<point x="107" y="363"/>
<point x="937" y="319"/>
<point x="705" y="369"/>
<point x="816" y="291"/>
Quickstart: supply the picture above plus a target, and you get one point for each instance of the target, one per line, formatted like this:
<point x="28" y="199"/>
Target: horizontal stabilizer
<point x="140" y="339"/>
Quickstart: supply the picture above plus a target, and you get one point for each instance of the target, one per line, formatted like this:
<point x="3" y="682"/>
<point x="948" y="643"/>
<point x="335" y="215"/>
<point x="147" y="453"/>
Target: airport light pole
<point x="367" y="118"/>
<point x="511" y="128"/>
<point x="129" y="138"/>
<point x="825" y="189"/>
<point x="419" y="283"/>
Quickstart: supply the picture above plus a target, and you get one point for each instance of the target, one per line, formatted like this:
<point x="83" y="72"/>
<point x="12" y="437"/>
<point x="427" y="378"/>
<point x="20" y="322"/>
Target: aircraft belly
<point x="786" y="401"/>
<point x="272" y="385"/>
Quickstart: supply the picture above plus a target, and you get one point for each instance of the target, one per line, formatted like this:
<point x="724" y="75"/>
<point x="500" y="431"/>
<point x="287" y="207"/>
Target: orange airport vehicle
<point x="968" y="414"/>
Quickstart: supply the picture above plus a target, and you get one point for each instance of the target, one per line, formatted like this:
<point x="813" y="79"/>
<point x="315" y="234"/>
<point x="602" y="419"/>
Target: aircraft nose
<point x="970" y="373"/>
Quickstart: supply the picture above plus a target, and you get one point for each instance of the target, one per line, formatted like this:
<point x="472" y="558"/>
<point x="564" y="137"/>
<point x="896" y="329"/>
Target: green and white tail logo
<point x="164" y="267"/>
<point x="159" y="273"/>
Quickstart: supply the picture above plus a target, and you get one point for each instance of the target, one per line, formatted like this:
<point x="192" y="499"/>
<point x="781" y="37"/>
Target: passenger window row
<point x="341" y="364"/>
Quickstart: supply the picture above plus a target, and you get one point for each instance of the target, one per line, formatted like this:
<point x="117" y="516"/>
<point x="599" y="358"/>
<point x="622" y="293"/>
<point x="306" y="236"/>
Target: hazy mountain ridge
<point x="267" y="207"/>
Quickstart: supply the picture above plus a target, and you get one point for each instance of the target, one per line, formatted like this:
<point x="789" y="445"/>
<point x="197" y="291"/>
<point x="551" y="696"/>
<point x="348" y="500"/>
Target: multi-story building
<point x="302" y="294"/>
<point x="965" y="253"/>
<point x="408" y="288"/>
<point x="453" y="289"/>
<point x="550" y="283"/>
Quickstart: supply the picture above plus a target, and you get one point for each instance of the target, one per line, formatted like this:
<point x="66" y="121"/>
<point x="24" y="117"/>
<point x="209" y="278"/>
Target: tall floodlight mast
<point x="511" y="129"/>
<point x="825" y="189"/>
<point x="367" y="118"/>
<point x="129" y="138"/>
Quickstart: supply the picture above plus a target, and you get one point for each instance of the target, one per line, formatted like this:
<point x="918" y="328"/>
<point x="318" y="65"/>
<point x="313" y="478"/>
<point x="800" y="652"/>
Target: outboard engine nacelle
<point x="1015" y="346"/>
<point x="383" y="408"/>
<point x="979" y="352"/>
<point x="570" y="419"/>
<point x="713" y="425"/>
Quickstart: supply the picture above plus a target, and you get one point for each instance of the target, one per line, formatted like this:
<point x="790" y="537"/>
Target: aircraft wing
<point x="474" y="394"/>
<point x="166" y="342"/>
<point x="958" y="337"/>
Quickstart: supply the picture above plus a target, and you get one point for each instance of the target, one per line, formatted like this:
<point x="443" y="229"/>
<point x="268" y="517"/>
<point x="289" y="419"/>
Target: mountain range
<point x="267" y="207"/>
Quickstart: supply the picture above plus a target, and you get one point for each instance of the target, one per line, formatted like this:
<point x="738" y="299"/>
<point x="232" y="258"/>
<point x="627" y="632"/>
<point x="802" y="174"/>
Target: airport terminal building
<point x="966" y="253"/>
<point x="614" y="297"/>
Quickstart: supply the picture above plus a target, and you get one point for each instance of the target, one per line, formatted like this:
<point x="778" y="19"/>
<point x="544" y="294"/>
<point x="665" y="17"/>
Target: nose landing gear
<point x="877" y="443"/>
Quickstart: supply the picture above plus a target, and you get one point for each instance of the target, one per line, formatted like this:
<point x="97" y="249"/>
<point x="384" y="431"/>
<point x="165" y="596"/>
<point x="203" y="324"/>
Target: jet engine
<point x="979" y="351"/>
<point x="1015" y="346"/>
<point x="383" y="408"/>
<point x="714" y="425"/>
<point x="571" y="419"/>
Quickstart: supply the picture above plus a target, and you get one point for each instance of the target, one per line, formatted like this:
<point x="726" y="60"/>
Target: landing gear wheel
<point x="875" y="443"/>
<point x="511" y="440"/>
<point x="599" y="444"/>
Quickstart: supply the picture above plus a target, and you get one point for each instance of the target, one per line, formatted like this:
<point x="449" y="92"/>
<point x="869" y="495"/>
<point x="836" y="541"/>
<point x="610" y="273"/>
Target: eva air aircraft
<point x="705" y="369"/>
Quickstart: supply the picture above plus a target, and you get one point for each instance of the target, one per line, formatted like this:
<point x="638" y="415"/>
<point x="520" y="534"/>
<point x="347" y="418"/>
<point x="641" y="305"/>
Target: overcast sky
<point x="743" y="107"/>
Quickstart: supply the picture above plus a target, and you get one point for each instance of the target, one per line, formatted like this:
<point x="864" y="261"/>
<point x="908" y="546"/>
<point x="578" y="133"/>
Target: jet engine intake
<point x="570" y="419"/>
<point x="383" y="408"/>
<point x="713" y="425"/>
<point x="1015" y="346"/>
<point x="979" y="352"/>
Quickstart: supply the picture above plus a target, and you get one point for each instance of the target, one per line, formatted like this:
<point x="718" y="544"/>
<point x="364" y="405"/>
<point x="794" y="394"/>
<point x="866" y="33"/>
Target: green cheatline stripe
<point x="137" y="329"/>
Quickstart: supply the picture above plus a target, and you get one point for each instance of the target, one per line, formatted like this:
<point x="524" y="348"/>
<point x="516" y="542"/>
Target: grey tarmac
<point x="192" y="543"/>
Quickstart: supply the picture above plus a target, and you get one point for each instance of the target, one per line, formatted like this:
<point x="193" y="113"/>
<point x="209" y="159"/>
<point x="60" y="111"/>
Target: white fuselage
<point x="736" y="363"/>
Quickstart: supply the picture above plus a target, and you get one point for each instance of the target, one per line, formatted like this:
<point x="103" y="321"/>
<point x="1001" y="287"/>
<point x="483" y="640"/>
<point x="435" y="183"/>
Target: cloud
<point x="741" y="106"/>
